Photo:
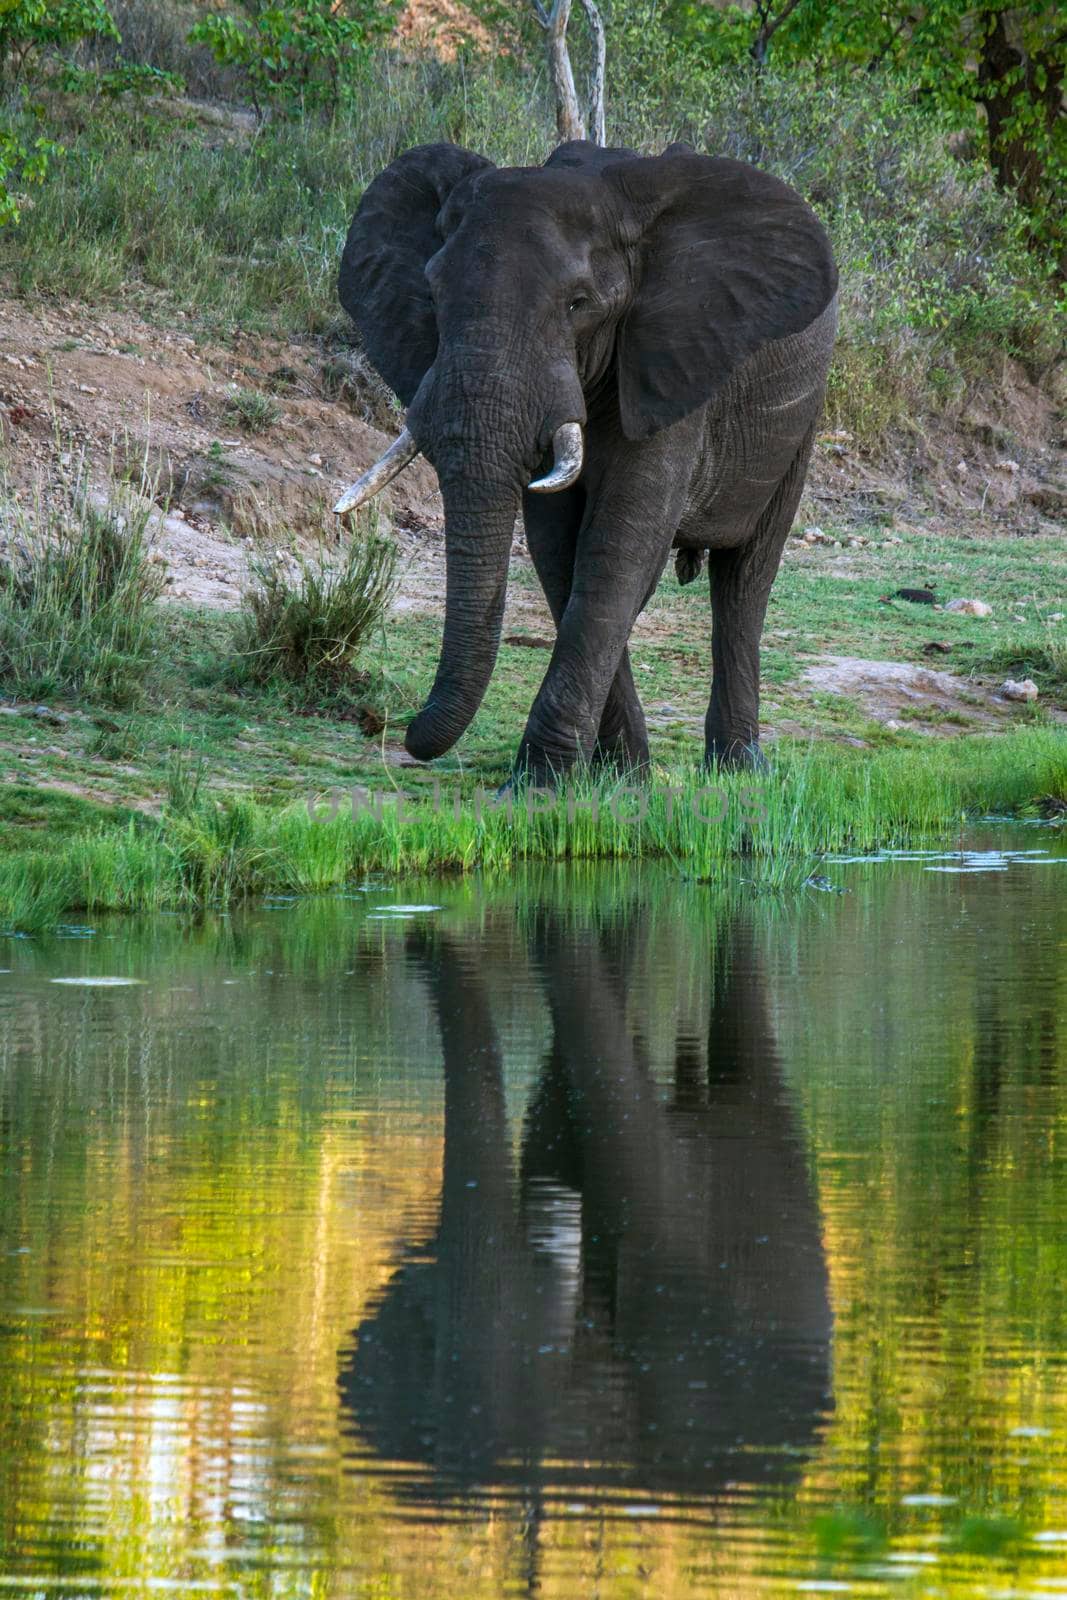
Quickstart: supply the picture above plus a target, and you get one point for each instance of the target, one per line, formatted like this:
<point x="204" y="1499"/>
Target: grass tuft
<point x="252" y="411"/>
<point x="307" y="618"/>
<point x="77" y="595"/>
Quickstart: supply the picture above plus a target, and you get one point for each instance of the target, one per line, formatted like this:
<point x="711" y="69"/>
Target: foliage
<point x="77" y="596"/>
<point x="936" y="273"/>
<point x="28" y="27"/>
<point x="307" y="619"/>
<point x="981" y="66"/>
<point x="125" y="77"/>
<point x="22" y="161"/>
<point x="299" y="53"/>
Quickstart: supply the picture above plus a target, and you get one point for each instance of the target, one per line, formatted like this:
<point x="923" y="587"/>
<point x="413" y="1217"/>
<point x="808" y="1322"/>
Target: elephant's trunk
<point x="479" y="524"/>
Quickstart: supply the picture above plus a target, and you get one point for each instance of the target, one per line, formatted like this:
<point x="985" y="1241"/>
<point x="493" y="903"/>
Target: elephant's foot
<point x="538" y="767"/>
<point x="735" y="755"/>
<point x="622" y="757"/>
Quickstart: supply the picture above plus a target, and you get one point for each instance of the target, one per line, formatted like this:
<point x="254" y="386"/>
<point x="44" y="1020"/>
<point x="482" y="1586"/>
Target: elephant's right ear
<point x="394" y="233"/>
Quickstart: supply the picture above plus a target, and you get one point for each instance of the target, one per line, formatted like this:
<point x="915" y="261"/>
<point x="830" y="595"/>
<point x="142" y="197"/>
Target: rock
<point x="1012" y="690"/>
<point x="917" y="597"/>
<point x="1057" y="616"/>
<point x="1011" y="467"/>
<point x="961" y="469"/>
<point x="893" y="726"/>
<point x="969" y="608"/>
<point x="936" y="647"/>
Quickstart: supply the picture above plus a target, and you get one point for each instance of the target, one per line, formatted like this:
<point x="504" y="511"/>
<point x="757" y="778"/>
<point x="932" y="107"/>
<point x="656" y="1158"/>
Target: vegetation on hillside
<point x="242" y="225"/>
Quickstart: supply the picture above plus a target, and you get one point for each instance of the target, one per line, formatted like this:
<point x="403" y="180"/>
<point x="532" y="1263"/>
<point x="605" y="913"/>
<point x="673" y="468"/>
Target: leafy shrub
<point x="307" y="626"/>
<point x="297" y="52"/>
<point x="77" y="596"/>
<point x="22" y="161"/>
<point x="155" y="34"/>
<point x="124" y="78"/>
<point x="28" y="27"/>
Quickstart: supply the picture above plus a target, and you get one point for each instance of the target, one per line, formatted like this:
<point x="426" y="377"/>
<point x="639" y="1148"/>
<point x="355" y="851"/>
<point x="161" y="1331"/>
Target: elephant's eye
<point x="579" y="303"/>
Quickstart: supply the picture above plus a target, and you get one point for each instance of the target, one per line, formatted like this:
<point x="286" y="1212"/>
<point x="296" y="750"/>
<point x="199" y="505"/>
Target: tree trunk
<point x="1008" y="81"/>
<point x="570" y="124"/>
<point x="569" y="120"/>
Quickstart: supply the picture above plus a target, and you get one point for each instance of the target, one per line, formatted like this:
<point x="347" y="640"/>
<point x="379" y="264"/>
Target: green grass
<point x="76" y="597"/>
<point x="769" y="831"/>
<point x="308" y="626"/>
<point x="251" y="411"/>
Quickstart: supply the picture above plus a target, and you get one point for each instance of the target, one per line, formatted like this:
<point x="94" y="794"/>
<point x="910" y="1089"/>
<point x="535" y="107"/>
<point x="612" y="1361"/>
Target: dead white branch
<point x="570" y="124"/>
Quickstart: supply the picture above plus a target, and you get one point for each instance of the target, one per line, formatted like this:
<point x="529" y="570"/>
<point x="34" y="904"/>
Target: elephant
<point x="644" y="1305"/>
<point x="633" y="348"/>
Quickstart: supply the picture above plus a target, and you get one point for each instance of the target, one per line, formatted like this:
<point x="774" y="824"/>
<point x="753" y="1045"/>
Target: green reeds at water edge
<point x="768" y="830"/>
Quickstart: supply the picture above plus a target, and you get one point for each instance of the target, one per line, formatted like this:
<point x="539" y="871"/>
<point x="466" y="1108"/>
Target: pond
<point x="592" y="1234"/>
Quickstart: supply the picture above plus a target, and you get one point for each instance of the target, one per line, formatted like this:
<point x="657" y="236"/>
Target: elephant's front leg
<point x="552" y="526"/>
<point x="622" y="548"/>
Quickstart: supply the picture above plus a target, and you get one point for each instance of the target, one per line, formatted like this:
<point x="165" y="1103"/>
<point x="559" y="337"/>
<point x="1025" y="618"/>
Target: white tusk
<point x="396" y="458"/>
<point x="567" y="449"/>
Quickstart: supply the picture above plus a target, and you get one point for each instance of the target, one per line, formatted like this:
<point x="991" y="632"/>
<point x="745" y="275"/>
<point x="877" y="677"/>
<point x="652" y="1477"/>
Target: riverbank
<point x="770" y="831"/>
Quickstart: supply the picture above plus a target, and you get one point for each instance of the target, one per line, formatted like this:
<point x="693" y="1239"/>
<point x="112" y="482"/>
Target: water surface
<point x="600" y="1234"/>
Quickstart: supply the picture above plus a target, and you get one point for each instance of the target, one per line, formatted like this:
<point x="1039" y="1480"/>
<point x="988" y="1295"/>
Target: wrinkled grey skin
<point x="678" y="1336"/>
<point x="682" y="309"/>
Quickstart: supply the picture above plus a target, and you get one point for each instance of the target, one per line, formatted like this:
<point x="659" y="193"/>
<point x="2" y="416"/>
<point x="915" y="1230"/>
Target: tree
<point x="997" y="68"/>
<point x="570" y="122"/>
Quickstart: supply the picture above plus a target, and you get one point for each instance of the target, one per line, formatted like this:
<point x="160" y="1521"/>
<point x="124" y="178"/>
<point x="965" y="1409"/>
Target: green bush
<point x="306" y="619"/>
<point x="299" y="53"/>
<point x="77" y="595"/>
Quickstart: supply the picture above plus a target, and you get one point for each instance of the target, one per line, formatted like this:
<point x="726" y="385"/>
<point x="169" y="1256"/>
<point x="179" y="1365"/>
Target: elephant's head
<point x="498" y="302"/>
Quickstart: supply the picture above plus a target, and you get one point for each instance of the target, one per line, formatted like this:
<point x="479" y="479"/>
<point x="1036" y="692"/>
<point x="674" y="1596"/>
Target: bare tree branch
<point x="570" y="124"/>
<point x="769" y="25"/>
<point x="597" y="131"/>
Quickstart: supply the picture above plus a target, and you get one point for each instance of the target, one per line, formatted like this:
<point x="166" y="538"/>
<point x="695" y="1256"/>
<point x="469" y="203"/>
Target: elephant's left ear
<point x="730" y="259"/>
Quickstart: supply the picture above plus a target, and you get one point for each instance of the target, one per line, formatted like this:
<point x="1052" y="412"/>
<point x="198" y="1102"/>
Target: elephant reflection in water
<point x="644" y="1305"/>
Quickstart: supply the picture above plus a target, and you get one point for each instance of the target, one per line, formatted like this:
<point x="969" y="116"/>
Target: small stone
<point x="315" y="460"/>
<point x="1011" y="467"/>
<point x="893" y="726"/>
<point x="970" y="608"/>
<point x="961" y="469"/>
<point x="1010" y="689"/>
<point x="1057" y="616"/>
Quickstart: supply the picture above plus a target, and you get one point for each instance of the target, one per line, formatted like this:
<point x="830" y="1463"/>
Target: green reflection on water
<point x="214" y="1185"/>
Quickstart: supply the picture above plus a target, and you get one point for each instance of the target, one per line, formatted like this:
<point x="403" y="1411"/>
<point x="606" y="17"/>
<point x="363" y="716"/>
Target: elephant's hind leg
<point x="741" y="582"/>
